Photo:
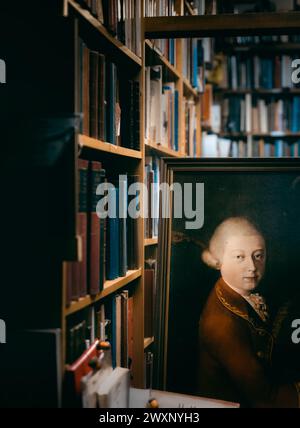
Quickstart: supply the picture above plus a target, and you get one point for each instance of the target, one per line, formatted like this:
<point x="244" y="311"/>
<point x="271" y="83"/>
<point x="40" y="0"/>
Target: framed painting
<point x="228" y="275"/>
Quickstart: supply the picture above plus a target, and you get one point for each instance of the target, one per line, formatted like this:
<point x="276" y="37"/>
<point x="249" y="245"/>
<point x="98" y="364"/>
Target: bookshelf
<point x="115" y="158"/>
<point x="254" y="97"/>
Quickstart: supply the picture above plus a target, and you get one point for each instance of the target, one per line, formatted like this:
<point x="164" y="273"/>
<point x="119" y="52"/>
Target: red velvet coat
<point x="235" y="354"/>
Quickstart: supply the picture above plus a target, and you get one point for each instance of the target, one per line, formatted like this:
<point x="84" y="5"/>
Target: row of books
<point x="258" y="40"/>
<point x="109" y="245"/>
<point x="214" y="146"/>
<point x="246" y="72"/>
<point x="122" y="18"/>
<point x="105" y="344"/>
<point x="159" y="8"/>
<point x="257" y="6"/>
<point x="193" y="63"/>
<point x="167" y="48"/>
<point x="109" y="104"/>
<point x="193" y="60"/>
<point x="110" y="321"/>
<point x="205" y="7"/>
<point x="152" y="182"/>
<point x="257" y="115"/>
<point x="213" y="7"/>
<point x="162" y="109"/>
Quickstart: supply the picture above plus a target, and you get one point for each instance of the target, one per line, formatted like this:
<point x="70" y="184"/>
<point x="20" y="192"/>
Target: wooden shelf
<point x="151" y="241"/>
<point x="222" y="25"/>
<point x="159" y="59"/>
<point x="93" y="144"/>
<point x="275" y="91"/>
<point x="110" y="287"/>
<point x="188" y="89"/>
<point x="148" y="341"/>
<point x="165" y="151"/>
<point x="117" y="48"/>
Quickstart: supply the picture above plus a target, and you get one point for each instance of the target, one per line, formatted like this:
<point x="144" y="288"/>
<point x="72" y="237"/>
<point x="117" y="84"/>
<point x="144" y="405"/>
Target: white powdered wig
<point x="233" y="226"/>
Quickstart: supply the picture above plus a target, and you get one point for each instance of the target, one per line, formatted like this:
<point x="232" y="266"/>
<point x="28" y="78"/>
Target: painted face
<point x="243" y="263"/>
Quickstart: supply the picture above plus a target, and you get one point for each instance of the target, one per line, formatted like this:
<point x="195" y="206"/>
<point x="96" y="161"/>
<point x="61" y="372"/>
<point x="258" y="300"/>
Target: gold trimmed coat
<point x="235" y="354"/>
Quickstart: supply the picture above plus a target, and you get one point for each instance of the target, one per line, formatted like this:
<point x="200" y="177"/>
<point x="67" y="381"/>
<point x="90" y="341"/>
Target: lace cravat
<point x="259" y="305"/>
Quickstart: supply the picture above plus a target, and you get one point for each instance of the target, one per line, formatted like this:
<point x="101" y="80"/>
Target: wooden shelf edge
<point x="187" y="87"/>
<point x="165" y="151"/>
<point x="92" y="143"/>
<point x="150" y="241"/>
<point x="163" y="60"/>
<point x="105" y="33"/>
<point x="148" y="341"/>
<point x="222" y="24"/>
<point x="110" y="287"/>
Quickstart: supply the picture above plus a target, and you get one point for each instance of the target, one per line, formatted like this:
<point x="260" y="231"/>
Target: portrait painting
<point x="228" y="293"/>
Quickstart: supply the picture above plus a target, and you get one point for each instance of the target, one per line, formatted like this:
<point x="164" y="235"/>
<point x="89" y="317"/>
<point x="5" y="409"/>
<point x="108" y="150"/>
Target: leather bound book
<point x="123" y="264"/>
<point x="130" y="333"/>
<point x="149" y="302"/>
<point x="68" y="284"/>
<point x="72" y="283"/>
<point x="101" y="98"/>
<point x="86" y="91"/>
<point x="96" y="176"/>
<point x="124" y="329"/>
<point x="113" y="239"/>
<point x="136" y="119"/>
<point x="94" y="81"/>
<point x="111" y="98"/>
<point x="132" y="231"/>
<point x="82" y="224"/>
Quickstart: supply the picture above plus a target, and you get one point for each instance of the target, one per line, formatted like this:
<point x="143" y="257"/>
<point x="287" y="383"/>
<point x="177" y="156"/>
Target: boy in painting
<point x="235" y="336"/>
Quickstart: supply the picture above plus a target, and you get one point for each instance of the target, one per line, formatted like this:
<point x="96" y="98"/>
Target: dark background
<point x="270" y="200"/>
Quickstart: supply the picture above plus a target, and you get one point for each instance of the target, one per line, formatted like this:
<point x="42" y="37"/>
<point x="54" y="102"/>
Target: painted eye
<point x="239" y="257"/>
<point x="259" y="256"/>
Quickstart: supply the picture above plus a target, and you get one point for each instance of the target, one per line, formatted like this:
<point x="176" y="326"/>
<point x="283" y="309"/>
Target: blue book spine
<point x="267" y="149"/>
<point x="172" y="52"/>
<point x="113" y="239"/>
<point x="279" y="148"/>
<point x="195" y="64"/>
<point x="123" y="226"/>
<point x="295" y="114"/>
